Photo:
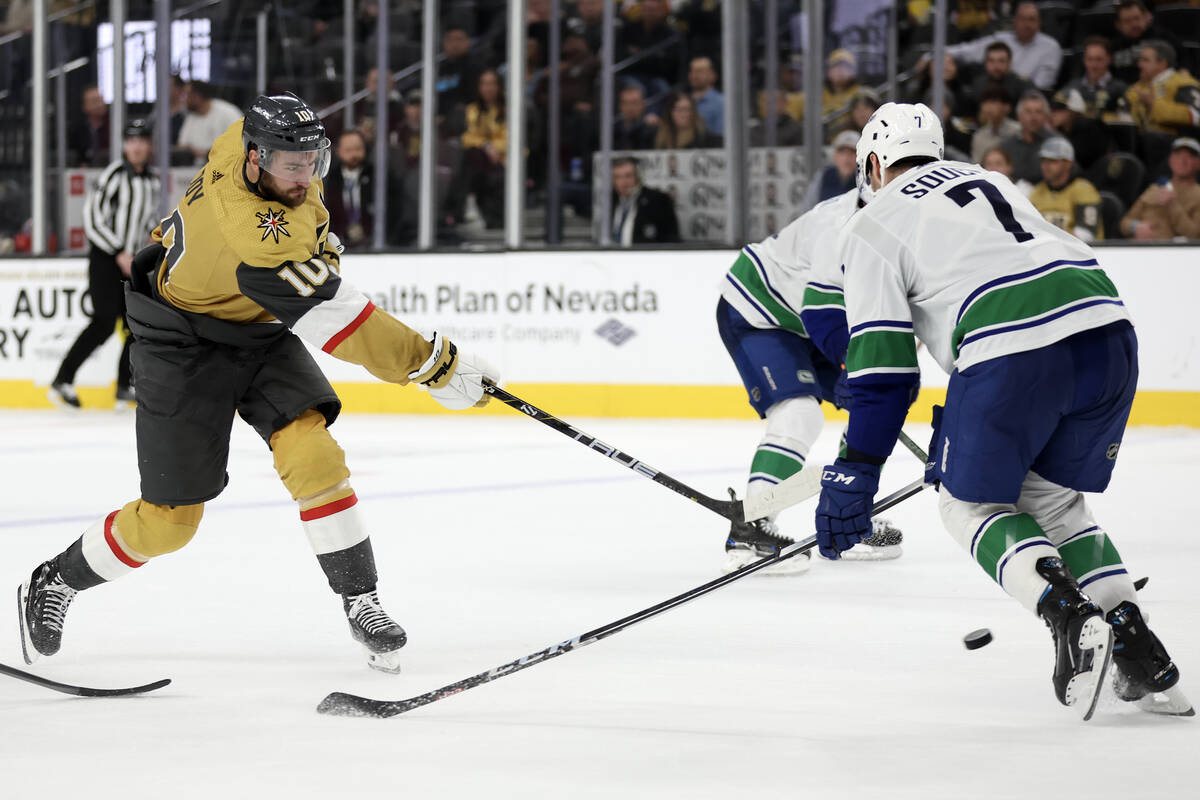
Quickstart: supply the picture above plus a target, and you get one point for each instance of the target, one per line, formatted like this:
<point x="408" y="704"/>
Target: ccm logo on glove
<point x="837" y="477"/>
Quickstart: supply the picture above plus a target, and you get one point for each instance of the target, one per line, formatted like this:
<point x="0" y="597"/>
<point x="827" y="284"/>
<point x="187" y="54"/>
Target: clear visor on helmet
<point x="299" y="166"/>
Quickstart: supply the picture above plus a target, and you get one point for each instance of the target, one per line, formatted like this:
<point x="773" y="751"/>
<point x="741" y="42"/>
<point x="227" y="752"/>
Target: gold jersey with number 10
<point x="232" y="254"/>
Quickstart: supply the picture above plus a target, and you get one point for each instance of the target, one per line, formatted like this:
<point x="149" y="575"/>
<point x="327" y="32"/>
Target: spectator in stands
<point x="701" y="20"/>
<point x="1135" y="26"/>
<point x="972" y="19"/>
<point x="838" y="177"/>
<point x="1098" y="89"/>
<point x="841" y="86"/>
<point x="997" y="159"/>
<point x="365" y="108"/>
<point x="1171" y="207"/>
<point x="641" y="215"/>
<point x="578" y="68"/>
<point x="861" y="108"/>
<point x="371" y="84"/>
<point x="537" y="29"/>
<point x="681" y="126"/>
<point x="1071" y="203"/>
<point x="408" y="133"/>
<point x="956" y="132"/>
<point x="788" y="132"/>
<point x="589" y="22"/>
<point x="1164" y="99"/>
<point x="659" y="70"/>
<point x="633" y="129"/>
<point x="485" y="148"/>
<point x="406" y="158"/>
<point x="710" y="104"/>
<point x="995" y="124"/>
<point x="207" y="118"/>
<point x="922" y="84"/>
<point x="1033" y="115"/>
<point x="89" y="138"/>
<point x="1089" y="137"/>
<point x="350" y="195"/>
<point x="1036" y="57"/>
<point x="458" y="74"/>
<point x="997" y="71"/>
<point x="178" y="106"/>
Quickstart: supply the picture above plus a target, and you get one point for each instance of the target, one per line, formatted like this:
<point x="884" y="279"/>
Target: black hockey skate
<point x="375" y="630"/>
<point x="1143" y="672"/>
<point x="42" y="603"/>
<point x="1082" y="640"/>
<point x="749" y="541"/>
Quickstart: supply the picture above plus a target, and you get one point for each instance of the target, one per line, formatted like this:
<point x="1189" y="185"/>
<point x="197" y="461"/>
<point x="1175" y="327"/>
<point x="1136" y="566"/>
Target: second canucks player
<point x="785" y="374"/>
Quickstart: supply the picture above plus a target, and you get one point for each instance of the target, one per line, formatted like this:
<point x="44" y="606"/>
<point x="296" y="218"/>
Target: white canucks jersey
<point x="766" y="283"/>
<point x="959" y="257"/>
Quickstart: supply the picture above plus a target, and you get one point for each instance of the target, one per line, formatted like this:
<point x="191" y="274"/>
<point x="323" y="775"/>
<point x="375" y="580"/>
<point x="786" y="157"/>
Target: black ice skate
<point x="378" y="633"/>
<point x="1143" y="672"/>
<point x="882" y="545"/>
<point x="42" y="603"/>
<point x="1082" y="640"/>
<point x="749" y="541"/>
<point x="63" y="394"/>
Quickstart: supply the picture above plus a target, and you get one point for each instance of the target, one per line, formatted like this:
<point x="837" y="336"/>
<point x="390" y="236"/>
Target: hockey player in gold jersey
<point x="244" y="270"/>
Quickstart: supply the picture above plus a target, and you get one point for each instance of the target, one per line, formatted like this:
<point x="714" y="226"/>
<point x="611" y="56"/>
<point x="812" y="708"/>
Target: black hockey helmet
<point x="284" y="123"/>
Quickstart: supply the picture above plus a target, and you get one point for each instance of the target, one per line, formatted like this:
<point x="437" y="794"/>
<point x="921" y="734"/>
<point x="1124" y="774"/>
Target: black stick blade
<point x="79" y="691"/>
<point x="149" y="687"/>
<point x="341" y="704"/>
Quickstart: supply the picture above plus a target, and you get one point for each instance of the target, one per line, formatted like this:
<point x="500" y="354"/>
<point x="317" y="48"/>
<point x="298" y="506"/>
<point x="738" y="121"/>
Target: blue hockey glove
<point x="932" y="476"/>
<point x="844" y="511"/>
<point x="842" y="397"/>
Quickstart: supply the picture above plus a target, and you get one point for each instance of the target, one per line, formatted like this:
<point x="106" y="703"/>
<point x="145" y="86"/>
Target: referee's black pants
<point x="106" y="286"/>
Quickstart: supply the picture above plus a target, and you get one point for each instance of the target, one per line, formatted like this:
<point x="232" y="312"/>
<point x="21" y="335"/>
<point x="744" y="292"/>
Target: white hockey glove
<point x="455" y="379"/>
<point x="332" y="242"/>
<point x="332" y="250"/>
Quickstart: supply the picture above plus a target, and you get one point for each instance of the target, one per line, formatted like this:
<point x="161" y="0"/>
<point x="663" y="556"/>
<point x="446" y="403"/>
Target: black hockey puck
<point x="1140" y="583"/>
<point x="977" y="639"/>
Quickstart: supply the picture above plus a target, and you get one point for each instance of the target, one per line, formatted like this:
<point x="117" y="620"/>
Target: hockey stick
<point x="349" y="705"/>
<point x="79" y="691"/>
<point x="796" y="489"/>
<point x="913" y="447"/>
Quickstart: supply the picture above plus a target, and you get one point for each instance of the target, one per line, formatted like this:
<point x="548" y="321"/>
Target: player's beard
<point x="272" y="191"/>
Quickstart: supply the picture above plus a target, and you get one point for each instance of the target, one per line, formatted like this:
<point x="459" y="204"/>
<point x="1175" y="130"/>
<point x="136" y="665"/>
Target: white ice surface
<point x="496" y="537"/>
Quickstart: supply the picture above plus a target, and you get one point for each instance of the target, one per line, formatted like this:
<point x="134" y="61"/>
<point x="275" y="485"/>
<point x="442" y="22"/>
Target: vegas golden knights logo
<point x="273" y="224"/>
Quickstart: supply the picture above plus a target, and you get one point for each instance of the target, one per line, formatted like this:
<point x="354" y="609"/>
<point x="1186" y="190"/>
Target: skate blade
<point x="26" y="643"/>
<point x="1170" y="703"/>
<point x="796" y="565"/>
<point x="385" y="662"/>
<point x="866" y="552"/>
<point x="57" y="401"/>
<point x="1083" y="690"/>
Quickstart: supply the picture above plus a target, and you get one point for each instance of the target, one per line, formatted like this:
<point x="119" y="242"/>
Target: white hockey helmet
<point x="897" y="131"/>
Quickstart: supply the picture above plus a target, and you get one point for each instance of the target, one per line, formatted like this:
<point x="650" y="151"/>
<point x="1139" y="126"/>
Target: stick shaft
<point x="913" y="447"/>
<point x="731" y="510"/>
<point x="351" y="705"/>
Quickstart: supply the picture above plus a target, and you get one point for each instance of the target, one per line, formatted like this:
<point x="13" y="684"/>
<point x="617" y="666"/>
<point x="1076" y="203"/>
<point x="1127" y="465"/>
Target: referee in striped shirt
<point x="118" y="217"/>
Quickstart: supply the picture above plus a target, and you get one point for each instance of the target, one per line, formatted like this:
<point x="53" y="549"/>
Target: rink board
<point x="618" y="333"/>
